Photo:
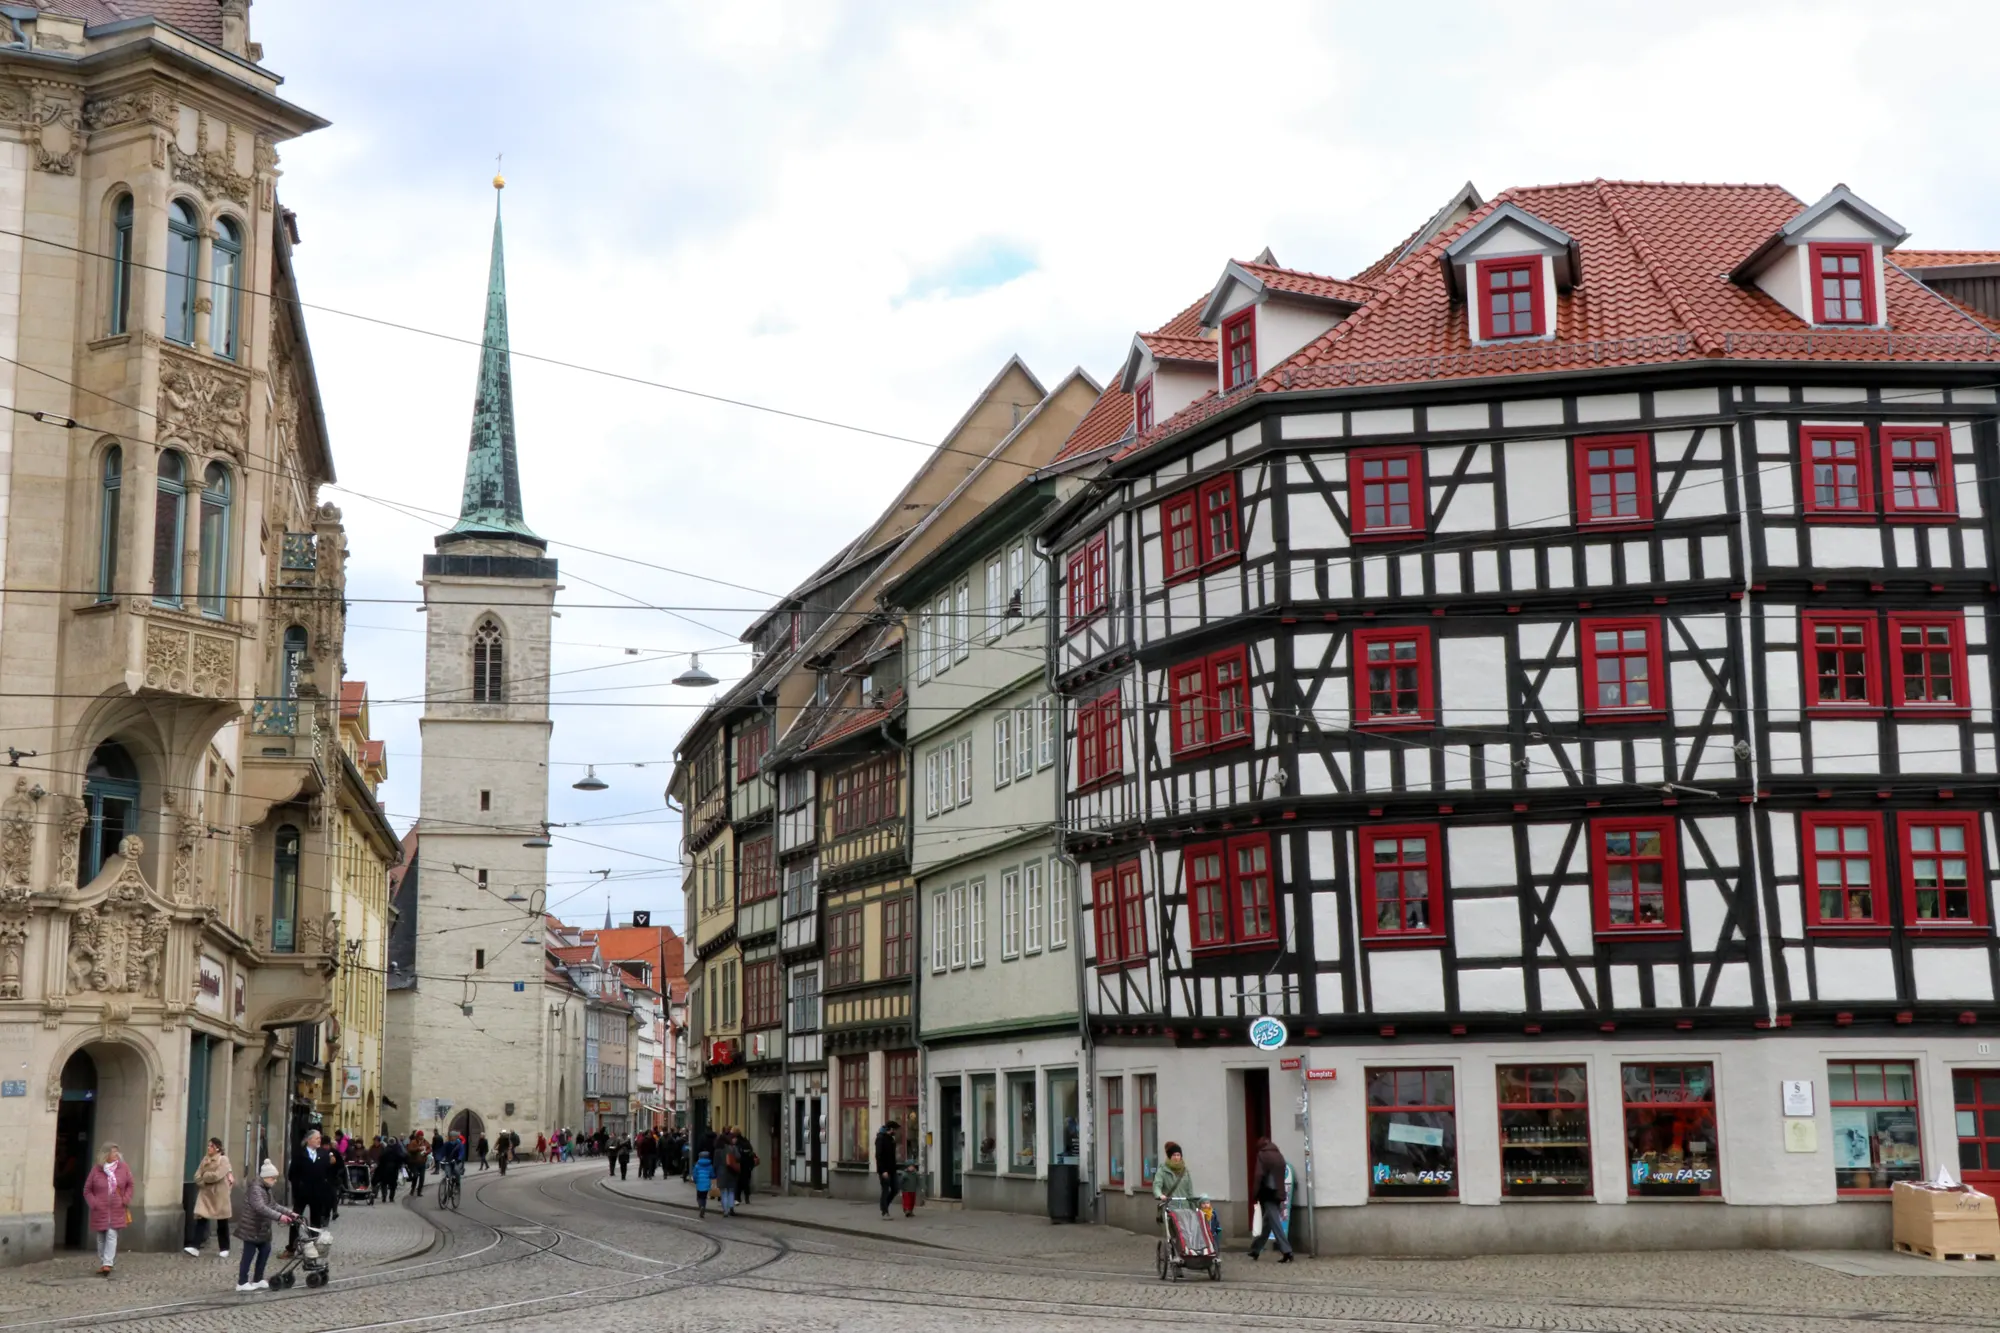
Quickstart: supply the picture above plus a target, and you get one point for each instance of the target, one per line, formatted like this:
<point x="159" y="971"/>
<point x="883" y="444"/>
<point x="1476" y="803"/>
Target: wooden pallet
<point x="1944" y="1256"/>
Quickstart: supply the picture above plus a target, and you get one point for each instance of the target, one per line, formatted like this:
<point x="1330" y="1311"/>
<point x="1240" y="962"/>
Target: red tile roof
<point x="860" y="717"/>
<point x="353" y="694"/>
<point x="1107" y="421"/>
<point x="577" y="953"/>
<point x="1943" y="258"/>
<point x="1655" y="258"/>
<point x="1187" y="324"/>
<point x="196" y="18"/>
<point x="374" y="752"/>
<point x="1301" y="283"/>
<point x="1167" y="347"/>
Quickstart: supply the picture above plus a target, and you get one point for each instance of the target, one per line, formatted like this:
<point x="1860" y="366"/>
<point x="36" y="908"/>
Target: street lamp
<point x="694" y="677"/>
<point x="590" y="781"/>
<point x="540" y="841"/>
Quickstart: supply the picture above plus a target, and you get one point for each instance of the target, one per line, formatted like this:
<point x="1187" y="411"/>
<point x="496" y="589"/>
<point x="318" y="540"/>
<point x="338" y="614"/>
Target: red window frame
<point x="1100" y="740"/>
<point x="1920" y="866"/>
<point x="1650" y="657"/>
<point x="1114" y="1129"/>
<point x="750" y="747"/>
<point x="1396" y="1091"/>
<point x="1906" y="501"/>
<point x="1835" y="307"/>
<point x="899" y="936"/>
<point x="1231" y="892"/>
<point x="1239" y="348"/>
<point x="1142" y="405"/>
<point x="1198" y="528"/>
<point x="1360" y="462"/>
<point x="1834" y="508"/>
<point x="854" y="1097"/>
<point x="1209" y="702"/>
<point x="1365" y="715"/>
<point x="1605" y="859"/>
<point x="1673" y="1115"/>
<point x="1118" y="903"/>
<point x="843" y="947"/>
<point x="899" y="1100"/>
<point x="866" y="794"/>
<point x="756" y="870"/>
<point x="1399" y="864"/>
<point x="1931" y="659"/>
<point x="1872" y="1076"/>
<point x="1842" y="650"/>
<point x="1088" y="589"/>
<point x="1976" y="1093"/>
<point x="1851" y="871"/>
<point x="1597" y="461"/>
<point x="761" y="1001"/>
<point x="1534" y="1121"/>
<point x="1497" y="277"/>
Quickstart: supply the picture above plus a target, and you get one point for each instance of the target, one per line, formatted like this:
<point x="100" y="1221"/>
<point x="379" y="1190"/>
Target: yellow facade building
<point x="364" y="850"/>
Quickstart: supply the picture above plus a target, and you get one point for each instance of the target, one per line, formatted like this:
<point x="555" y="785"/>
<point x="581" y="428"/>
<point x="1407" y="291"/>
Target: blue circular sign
<point x="1268" y="1034"/>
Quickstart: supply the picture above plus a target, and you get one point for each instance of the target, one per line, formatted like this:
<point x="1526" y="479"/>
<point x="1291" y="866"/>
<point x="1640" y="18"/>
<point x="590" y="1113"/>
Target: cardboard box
<point x="1939" y="1223"/>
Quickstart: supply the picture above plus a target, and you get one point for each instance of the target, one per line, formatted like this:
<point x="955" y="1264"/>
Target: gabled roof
<point x="1264" y="278"/>
<point x="1456" y="254"/>
<point x="1466" y="201"/>
<point x="1887" y="231"/>
<point x="1108" y="421"/>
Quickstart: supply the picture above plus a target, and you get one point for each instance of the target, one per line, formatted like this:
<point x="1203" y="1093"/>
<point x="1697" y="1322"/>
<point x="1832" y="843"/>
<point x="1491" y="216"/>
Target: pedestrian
<point x="646" y="1151"/>
<point x="108" y="1191"/>
<point x="625" y="1159"/>
<point x="483" y="1149"/>
<point x="912" y="1183"/>
<point x="887" y="1168"/>
<point x="253" y="1232"/>
<point x="750" y="1160"/>
<point x="416" y="1163"/>
<point x="541" y="1146"/>
<point x="213" y="1179"/>
<point x="1272" y="1195"/>
<point x="314" y="1180"/>
<point x="504" y="1151"/>
<point x="704" y="1179"/>
<point x="729" y="1171"/>
<point x="389" y="1168"/>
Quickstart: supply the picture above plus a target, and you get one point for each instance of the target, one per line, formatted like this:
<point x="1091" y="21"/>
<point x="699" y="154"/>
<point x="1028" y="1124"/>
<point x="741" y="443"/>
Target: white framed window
<point x="961" y="628"/>
<point x="1010" y="914"/>
<point x="1038" y="584"/>
<point x="976" y="922"/>
<point x="964" y="770"/>
<point x="1024" y="749"/>
<point x="958" y="925"/>
<point x="940" y="919"/>
<point x="1059" y="900"/>
<point x="1031" y="896"/>
<point x="996" y="598"/>
<point x="1045" y="732"/>
<point x="926" y="633"/>
<point x="944" y="630"/>
<point x="932" y="762"/>
<point x="1003" y="748"/>
<point x="1017" y="582"/>
<point x="947" y="777"/>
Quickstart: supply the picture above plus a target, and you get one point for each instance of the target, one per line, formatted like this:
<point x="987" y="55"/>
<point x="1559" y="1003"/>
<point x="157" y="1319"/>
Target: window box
<point x="1198" y="529"/>
<point x="1927" y="653"/>
<point x="1511" y="298"/>
<point x="1412" y="1134"/>
<point x="1239" y="348"/>
<point x="1392" y="678"/>
<point x="1635" y="876"/>
<point x="1917" y="483"/>
<point x="1843" y="283"/>
<point x="1088" y="590"/>
<point x="1614" y="481"/>
<point x="1671" y="1150"/>
<point x="1624" y="679"/>
<point x="1230" y="900"/>
<point x="1842" y="664"/>
<point x="1844" y="880"/>
<point x="1402" y="885"/>
<point x="1875" y="1137"/>
<point x="1100" y="741"/>
<point x="1210" y="701"/>
<point x="1944" y="872"/>
<point x="1837" y="484"/>
<point x="1544" y="1131"/>
<point x="1386" y="499"/>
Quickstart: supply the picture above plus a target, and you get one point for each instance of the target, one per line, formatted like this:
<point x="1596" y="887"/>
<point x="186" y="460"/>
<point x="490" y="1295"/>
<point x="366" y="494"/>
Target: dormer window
<point x="1844" y="284"/>
<point x="1510" y="297"/>
<point x="1142" y="405"/>
<point x="1239" y="349"/>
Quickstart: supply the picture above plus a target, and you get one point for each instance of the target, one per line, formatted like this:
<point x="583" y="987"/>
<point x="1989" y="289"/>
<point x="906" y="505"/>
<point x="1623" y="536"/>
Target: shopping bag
<point x="1256" y="1219"/>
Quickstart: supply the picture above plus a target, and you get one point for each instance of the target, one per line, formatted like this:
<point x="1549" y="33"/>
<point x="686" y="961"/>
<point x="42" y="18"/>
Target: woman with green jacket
<point x="1173" y="1183"/>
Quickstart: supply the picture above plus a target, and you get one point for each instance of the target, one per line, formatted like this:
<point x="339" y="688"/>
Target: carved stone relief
<point x="167" y="658"/>
<point x="159" y="1091"/>
<point x="75" y="816"/>
<point x="13" y="945"/>
<point x="119" y="946"/>
<point x="54" y="132"/>
<point x="152" y="105"/>
<point x="214" y="666"/>
<point x="186" y="877"/>
<point x="212" y="170"/>
<point x="17" y="844"/>
<point x="204" y="406"/>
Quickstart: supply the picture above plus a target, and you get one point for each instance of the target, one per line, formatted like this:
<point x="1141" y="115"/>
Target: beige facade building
<point x="171" y="619"/>
<point x="365" y="848"/>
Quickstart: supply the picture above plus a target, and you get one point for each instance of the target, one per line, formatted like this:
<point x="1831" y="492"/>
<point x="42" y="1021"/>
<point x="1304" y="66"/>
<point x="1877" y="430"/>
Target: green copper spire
<point x="492" y="504"/>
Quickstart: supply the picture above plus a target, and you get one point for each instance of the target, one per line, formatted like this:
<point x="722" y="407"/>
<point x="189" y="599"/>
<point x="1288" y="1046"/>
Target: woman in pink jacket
<point x="108" y="1191"/>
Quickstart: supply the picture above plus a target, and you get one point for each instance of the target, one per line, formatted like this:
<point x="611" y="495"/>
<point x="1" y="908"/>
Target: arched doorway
<point x="469" y="1124"/>
<point x="76" y="1127"/>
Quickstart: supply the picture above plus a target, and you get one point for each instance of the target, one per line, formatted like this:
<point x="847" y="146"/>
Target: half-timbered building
<point x="1548" y="673"/>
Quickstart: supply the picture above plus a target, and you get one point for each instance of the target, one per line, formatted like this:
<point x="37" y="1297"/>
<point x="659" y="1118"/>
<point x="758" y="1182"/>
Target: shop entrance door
<point x="1975" y="1094"/>
<point x="952" y="1144"/>
<point x="771" y="1133"/>
<point x="1256" y="1125"/>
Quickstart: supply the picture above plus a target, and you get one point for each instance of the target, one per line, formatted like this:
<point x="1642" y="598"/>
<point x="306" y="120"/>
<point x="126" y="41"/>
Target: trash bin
<point x="1062" y="1191"/>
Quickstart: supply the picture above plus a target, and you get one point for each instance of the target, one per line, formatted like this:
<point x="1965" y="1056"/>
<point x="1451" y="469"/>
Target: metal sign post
<point x="1305" y="1124"/>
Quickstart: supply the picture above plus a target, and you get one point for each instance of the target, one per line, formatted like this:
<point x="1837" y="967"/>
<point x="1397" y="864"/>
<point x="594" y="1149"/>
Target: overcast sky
<point x="858" y="211"/>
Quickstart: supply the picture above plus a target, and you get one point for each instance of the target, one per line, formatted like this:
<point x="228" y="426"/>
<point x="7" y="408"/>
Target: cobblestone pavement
<point x="557" y="1247"/>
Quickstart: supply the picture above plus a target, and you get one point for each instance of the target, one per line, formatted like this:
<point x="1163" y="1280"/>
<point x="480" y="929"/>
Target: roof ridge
<point x="1683" y="311"/>
<point x="1671" y="185"/>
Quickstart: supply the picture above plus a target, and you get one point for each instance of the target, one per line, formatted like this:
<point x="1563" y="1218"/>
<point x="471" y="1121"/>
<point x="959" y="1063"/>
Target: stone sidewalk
<point x="364" y="1236"/>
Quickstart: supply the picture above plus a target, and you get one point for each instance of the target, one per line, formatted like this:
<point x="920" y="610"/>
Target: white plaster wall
<point x="1283" y="327"/>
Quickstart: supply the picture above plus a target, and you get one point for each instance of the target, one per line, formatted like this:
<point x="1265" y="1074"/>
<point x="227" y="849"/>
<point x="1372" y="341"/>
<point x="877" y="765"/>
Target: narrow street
<point x="548" y="1246"/>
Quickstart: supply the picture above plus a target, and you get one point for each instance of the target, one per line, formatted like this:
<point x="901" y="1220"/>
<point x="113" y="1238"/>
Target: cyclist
<point x="450" y="1159"/>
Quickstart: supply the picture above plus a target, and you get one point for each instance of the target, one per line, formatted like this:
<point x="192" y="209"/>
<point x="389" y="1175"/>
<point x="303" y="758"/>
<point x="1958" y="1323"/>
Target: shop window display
<point x="1149" y="1127"/>
<point x="1670" y="1142"/>
<point x="1875" y="1140"/>
<point x="1412" y="1134"/>
<point x="1021" y="1116"/>
<point x="985" y="1123"/>
<point x="1065" y="1134"/>
<point x="1544" y="1131"/>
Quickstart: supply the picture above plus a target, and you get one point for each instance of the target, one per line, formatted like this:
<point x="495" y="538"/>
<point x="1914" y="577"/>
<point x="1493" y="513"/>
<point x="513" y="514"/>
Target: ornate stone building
<point x="172" y="592"/>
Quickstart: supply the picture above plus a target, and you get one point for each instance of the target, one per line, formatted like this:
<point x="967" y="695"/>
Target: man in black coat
<point x="886" y="1165"/>
<point x="315" y="1185"/>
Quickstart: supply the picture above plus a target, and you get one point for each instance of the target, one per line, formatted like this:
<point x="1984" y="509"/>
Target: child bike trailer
<point x="1189" y="1243"/>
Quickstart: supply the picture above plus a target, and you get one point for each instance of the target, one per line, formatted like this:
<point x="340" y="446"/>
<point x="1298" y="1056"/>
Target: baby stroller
<point x="356" y="1185"/>
<point x="1189" y="1241"/>
<point x="314" y="1251"/>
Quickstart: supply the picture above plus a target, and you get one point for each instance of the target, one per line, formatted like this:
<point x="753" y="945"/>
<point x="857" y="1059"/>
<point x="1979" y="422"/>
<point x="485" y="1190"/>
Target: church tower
<point x="467" y="1015"/>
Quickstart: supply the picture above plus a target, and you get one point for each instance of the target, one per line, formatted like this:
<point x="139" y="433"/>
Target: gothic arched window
<point x="107" y="525"/>
<point x="225" y="273"/>
<point x="169" y="516"/>
<point x="214" y="573"/>
<point x="489" y="678"/>
<point x="183" y="249"/>
<point x="121" y="263"/>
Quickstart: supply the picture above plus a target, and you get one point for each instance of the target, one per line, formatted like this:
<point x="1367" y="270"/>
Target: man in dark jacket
<point x="1271" y="1192"/>
<point x="887" y="1168"/>
<point x="389" y="1168"/>
<point x="315" y="1184"/>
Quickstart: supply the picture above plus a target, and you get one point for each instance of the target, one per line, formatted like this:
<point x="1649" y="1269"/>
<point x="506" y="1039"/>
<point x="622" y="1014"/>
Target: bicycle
<point x="447" y="1190"/>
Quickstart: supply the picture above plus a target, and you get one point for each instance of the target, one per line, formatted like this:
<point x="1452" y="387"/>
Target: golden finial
<point x="499" y="181"/>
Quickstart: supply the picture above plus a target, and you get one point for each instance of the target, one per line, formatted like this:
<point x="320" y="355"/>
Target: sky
<point x="858" y="211"/>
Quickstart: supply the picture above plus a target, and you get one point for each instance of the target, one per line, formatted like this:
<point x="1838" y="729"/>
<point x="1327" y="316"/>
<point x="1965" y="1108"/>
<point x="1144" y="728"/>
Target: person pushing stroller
<point x="1189" y="1240"/>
